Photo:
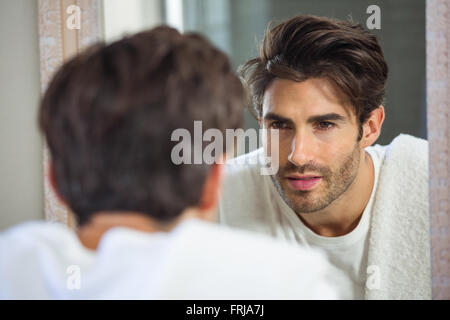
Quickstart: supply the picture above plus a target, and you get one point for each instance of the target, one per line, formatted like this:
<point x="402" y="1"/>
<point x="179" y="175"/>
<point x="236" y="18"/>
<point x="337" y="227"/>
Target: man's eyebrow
<point x="327" y="117"/>
<point x="276" y="117"/>
<point x="318" y="118"/>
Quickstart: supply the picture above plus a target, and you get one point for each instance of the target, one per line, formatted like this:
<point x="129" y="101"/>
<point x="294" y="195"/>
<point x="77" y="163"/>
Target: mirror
<point x="237" y="28"/>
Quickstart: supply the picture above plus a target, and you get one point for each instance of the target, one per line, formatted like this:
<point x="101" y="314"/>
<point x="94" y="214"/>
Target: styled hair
<point x="307" y="47"/>
<point x="108" y="115"/>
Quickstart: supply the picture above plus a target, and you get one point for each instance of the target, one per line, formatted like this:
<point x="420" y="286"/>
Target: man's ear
<point x="211" y="191"/>
<point x="372" y="127"/>
<point x="52" y="182"/>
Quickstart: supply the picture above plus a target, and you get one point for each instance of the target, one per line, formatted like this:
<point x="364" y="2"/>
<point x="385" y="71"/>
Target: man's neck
<point x="91" y="233"/>
<point x="344" y="214"/>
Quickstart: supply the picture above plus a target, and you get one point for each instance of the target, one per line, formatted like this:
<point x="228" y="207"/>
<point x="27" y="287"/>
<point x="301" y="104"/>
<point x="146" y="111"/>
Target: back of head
<point x="306" y="47"/>
<point x="108" y="115"/>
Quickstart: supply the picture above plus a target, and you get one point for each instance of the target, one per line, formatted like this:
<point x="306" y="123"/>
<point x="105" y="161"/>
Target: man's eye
<point x="279" y="125"/>
<point x="325" y="125"/>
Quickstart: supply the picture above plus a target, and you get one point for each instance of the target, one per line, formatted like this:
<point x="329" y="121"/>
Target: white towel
<point x="399" y="244"/>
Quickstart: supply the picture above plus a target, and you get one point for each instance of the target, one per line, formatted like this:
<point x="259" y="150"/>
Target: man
<point x="320" y="83"/>
<point x="143" y="230"/>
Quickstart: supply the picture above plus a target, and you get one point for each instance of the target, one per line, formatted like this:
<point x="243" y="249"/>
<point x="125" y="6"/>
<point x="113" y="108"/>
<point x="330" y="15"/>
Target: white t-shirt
<point x="251" y="201"/>
<point x="196" y="260"/>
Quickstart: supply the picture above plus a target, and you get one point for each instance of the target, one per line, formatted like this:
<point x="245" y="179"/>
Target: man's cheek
<point x="284" y="149"/>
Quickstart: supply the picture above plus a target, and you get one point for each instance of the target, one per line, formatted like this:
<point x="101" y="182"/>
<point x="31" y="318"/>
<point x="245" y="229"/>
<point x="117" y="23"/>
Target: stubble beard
<point x="333" y="184"/>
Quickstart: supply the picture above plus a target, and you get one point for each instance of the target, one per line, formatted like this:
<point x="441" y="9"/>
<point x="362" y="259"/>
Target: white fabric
<point x="391" y="238"/>
<point x="400" y="227"/>
<point x="196" y="260"/>
<point x="348" y="253"/>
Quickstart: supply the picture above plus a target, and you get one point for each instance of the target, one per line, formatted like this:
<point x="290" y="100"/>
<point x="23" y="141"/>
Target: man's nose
<point x="301" y="149"/>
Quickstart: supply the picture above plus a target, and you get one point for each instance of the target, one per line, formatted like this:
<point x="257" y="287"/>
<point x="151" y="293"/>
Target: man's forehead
<point x="313" y="96"/>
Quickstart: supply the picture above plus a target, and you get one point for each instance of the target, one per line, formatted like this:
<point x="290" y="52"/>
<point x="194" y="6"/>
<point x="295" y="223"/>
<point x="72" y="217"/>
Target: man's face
<point x="319" y="154"/>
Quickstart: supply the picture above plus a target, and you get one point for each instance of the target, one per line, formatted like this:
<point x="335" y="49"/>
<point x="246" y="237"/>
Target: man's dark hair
<point x="108" y="115"/>
<point x="316" y="47"/>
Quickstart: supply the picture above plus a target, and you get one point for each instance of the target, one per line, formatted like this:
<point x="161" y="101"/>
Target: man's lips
<point x="303" y="182"/>
<point x="303" y="177"/>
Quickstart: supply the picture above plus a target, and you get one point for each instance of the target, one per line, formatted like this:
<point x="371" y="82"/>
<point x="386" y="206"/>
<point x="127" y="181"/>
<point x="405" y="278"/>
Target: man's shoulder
<point x="403" y="178"/>
<point x="30" y="256"/>
<point x="405" y="153"/>
<point x="228" y="243"/>
<point x="245" y="164"/>
<point x="408" y="154"/>
<point x="30" y="242"/>
<point x="410" y="146"/>
<point x="245" y="258"/>
<point x="246" y="194"/>
<point x="33" y="233"/>
<point x="243" y="174"/>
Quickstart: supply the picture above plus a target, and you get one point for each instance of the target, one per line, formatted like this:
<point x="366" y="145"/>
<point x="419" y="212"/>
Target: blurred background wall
<point x="21" y="174"/>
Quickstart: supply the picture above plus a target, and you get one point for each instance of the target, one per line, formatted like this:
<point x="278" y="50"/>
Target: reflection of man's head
<point x="108" y="116"/>
<point x="319" y="82"/>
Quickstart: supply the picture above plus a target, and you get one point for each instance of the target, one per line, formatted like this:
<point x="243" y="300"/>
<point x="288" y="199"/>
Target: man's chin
<point x="303" y="201"/>
<point x="306" y="208"/>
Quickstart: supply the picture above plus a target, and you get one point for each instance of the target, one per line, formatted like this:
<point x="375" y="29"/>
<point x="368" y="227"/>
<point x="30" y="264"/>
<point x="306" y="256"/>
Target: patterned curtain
<point x="438" y="114"/>
<point x="58" y="41"/>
